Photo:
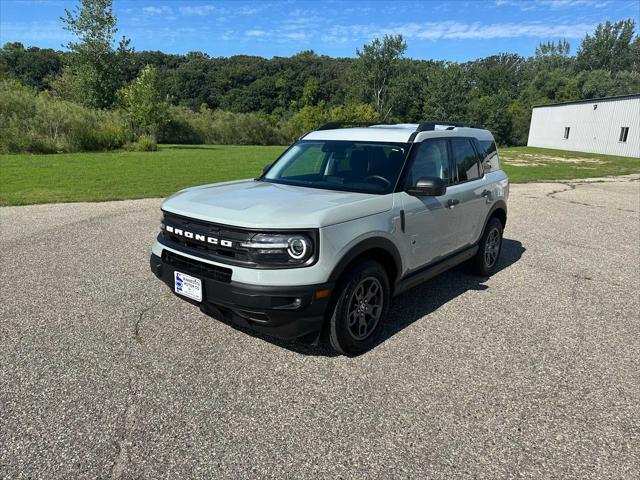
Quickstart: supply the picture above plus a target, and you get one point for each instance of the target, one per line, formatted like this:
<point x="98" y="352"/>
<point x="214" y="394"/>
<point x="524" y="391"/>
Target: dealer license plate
<point x="188" y="286"/>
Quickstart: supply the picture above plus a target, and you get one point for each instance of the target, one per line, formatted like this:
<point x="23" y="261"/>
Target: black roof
<point x="590" y="100"/>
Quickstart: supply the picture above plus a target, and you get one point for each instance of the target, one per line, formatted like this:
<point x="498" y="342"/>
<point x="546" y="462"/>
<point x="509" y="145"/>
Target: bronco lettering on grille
<point x="198" y="236"/>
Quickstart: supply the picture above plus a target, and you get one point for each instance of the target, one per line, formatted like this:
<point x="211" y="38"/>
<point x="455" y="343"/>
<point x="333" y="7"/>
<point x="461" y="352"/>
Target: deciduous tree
<point x="446" y="93"/>
<point x="97" y="67"/>
<point x="612" y="47"/>
<point x="378" y="68"/>
<point x="143" y="104"/>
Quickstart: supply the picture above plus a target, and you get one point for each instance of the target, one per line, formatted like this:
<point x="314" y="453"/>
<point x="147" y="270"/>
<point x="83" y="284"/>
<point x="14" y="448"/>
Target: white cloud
<point x="158" y="10"/>
<point x="525" y="5"/>
<point x="458" y="31"/>
<point x="296" y="36"/>
<point x="521" y="4"/>
<point x="34" y="33"/>
<point x="247" y="11"/>
<point x="279" y="36"/>
<point x="574" y="3"/>
<point x="200" y="10"/>
<point x="504" y="30"/>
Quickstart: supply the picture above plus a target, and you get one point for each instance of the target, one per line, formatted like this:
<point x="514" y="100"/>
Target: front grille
<point x="195" y="267"/>
<point x="198" y="229"/>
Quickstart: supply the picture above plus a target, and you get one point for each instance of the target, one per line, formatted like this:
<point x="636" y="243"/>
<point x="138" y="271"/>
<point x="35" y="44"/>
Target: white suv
<point x="342" y="221"/>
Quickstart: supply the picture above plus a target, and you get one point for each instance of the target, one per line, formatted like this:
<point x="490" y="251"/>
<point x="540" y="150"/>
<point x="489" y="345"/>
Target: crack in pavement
<point x="136" y="326"/>
<point x="124" y="442"/>
<point x="578" y="276"/>
<point x="572" y="185"/>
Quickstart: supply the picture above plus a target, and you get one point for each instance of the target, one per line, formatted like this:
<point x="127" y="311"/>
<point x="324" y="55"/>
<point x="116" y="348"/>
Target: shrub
<point x="40" y="123"/>
<point x="180" y="128"/>
<point x="220" y="127"/>
<point x="43" y="123"/>
<point x="312" y="116"/>
<point x="144" y="143"/>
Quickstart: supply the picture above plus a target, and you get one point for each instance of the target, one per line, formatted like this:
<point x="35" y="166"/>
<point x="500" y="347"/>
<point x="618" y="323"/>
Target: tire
<point x="486" y="260"/>
<point x="358" y="316"/>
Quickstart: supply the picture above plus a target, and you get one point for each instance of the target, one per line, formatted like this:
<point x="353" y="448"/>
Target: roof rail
<point x="422" y="126"/>
<point x="340" y="124"/>
<point x="431" y="125"/>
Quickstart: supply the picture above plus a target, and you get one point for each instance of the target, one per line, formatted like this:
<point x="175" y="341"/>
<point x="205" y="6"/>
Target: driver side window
<point x="430" y="160"/>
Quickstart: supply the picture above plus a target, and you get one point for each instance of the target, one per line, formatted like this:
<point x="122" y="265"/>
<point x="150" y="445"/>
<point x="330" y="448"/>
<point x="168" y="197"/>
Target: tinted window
<point x="464" y="159"/>
<point x="490" y="155"/>
<point x="488" y="148"/>
<point x="368" y="167"/>
<point x="430" y="160"/>
<point x="361" y="160"/>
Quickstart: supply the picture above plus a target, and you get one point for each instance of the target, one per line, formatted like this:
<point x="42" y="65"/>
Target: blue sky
<point x="456" y="30"/>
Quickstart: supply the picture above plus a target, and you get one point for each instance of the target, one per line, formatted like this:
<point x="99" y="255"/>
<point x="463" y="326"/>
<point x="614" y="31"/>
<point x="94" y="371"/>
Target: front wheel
<point x="485" y="261"/>
<point x="357" y="319"/>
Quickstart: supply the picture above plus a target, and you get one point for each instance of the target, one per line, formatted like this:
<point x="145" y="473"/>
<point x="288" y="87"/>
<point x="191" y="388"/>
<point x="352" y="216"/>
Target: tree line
<point x="196" y="98"/>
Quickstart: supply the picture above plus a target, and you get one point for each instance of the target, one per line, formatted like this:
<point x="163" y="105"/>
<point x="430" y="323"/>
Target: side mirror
<point x="266" y="168"/>
<point x="428" y="187"/>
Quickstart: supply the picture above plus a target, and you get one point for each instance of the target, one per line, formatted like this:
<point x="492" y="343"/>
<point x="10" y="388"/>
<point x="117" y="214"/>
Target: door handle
<point x="452" y="202"/>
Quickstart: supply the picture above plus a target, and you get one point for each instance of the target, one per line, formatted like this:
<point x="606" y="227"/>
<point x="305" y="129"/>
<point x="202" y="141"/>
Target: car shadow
<point x="428" y="297"/>
<point x="412" y="305"/>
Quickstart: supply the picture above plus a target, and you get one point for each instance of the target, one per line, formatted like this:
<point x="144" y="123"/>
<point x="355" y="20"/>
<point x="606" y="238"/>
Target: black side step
<point x="419" y="276"/>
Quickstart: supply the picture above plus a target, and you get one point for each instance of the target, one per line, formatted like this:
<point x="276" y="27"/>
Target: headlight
<point x="280" y="249"/>
<point x="298" y="247"/>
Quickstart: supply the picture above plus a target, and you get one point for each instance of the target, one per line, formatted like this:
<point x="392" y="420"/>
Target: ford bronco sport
<point x="342" y="221"/>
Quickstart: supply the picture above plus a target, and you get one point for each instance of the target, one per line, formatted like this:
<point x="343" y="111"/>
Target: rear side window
<point x="489" y="151"/>
<point x="465" y="160"/>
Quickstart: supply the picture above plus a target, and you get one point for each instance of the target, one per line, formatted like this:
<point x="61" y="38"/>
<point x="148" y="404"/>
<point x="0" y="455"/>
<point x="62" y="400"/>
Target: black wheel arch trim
<point x="372" y="243"/>
<point x="498" y="205"/>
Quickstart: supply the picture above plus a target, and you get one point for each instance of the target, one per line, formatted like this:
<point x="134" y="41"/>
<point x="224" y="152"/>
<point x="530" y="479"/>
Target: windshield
<point x="366" y="167"/>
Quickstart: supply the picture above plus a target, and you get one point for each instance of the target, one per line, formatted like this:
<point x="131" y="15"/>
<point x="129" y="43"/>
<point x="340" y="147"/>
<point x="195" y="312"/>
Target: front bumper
<point x="283" y="312"/>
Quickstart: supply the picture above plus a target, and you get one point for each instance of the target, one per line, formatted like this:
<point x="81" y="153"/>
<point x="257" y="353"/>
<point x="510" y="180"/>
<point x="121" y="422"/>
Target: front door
<point x="429" y="233"/>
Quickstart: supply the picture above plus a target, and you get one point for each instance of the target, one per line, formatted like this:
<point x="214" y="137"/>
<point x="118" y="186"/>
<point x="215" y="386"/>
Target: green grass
<point x="532" y="164"/>
<point x="92" y="177"/>
<point x="29" y="179"/>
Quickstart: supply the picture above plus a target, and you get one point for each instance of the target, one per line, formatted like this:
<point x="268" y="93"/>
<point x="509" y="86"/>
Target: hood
<point x="252" y="204"/>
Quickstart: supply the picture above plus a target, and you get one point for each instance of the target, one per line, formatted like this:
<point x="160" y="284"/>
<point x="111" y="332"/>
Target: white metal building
<point x="609" y="125"/>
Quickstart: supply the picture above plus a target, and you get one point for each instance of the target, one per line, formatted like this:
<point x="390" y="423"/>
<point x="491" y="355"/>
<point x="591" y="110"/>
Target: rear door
<point x="468" y="194"/>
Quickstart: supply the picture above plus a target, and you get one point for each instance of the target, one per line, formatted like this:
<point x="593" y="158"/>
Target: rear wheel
<point x="357" y="319"/>
<point x="485" y="261"/>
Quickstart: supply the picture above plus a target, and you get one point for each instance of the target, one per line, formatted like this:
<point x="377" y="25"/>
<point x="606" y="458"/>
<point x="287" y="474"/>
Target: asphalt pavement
<point x="532" y="373"/>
